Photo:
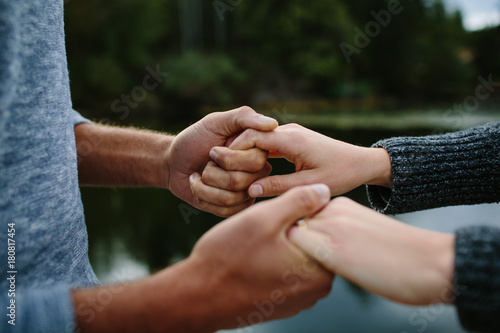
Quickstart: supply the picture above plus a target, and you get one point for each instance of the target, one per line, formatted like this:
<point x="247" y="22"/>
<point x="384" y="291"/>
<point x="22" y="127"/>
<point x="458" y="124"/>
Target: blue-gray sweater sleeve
<point x="461" y="168"/>
<point x="40" y="310"/>
<point x="77" y="118"/>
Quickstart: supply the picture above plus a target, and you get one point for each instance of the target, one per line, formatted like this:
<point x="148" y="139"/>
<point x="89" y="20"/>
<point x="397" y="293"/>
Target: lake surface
<point x="136" y="232"/>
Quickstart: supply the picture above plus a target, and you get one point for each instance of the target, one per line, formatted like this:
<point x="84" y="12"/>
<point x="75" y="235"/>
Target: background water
<point x="135" y="232"/>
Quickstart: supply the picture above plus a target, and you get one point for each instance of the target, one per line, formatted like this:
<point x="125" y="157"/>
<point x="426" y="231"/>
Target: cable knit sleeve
<point x="461" y="168"/>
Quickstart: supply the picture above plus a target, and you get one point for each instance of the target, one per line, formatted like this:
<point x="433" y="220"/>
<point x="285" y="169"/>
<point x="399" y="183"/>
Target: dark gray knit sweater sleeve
<point x="477" y="278"/>
<point x="461" y="168"/>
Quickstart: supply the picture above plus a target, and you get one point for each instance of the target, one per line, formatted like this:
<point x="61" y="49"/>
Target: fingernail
<point x="255" y="191"/>
<point x="323" y="190"/>
<point x="265" y="119"/>
<point x="192" y="177"/>
<point x="213" y="154"/>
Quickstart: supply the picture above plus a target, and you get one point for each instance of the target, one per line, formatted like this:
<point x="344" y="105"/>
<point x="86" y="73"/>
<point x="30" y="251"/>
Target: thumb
<point x="315" y="244"/>
<point x="235" y="121"/>
<point x="295" y="204"/>
<point x="279" y="184"/>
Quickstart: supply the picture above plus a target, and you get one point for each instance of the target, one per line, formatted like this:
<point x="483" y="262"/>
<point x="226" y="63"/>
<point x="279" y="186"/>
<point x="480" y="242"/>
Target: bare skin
<point x="397" y="261"/>
<point x="112" y="156"/>
<point x="317" y="159"/>
<point x="242" y="265"/>
<point x="402" y="263"/>
<point x="244" y="261"/>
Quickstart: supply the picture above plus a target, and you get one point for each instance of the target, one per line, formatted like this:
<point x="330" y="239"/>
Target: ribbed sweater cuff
<point x="477" y="278"/>
<point x="460" y="168"/>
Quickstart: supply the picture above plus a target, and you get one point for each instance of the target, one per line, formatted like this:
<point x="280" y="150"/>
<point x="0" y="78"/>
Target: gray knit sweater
<point x="461" y="168"/>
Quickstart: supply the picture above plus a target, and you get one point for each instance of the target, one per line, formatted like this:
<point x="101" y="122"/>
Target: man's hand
<point x="114" y="156"/>
<point x="384" y="256"/>
<point x="189" y="152"/>
<point x="222" y="190"/>
<point x="317" y="159"/>
<point x="241" y="272"/>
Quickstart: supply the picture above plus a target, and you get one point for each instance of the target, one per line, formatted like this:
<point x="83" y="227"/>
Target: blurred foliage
<point x="202" y="78"/>
<point x="226" y="53"/>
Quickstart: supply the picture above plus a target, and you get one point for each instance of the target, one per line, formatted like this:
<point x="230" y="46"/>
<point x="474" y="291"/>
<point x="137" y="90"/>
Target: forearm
<point x="178" y="299"/>
<point x="112" y="156"/>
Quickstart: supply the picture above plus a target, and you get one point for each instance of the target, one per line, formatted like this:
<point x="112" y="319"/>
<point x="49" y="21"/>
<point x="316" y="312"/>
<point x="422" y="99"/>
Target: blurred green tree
<point x="249" y="52"/>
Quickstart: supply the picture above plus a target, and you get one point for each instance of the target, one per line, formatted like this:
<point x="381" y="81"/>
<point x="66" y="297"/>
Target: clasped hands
<point x="382" y="255"/>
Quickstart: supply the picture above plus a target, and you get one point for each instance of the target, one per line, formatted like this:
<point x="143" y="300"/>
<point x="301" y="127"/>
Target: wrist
<point x="434" y="254"/>
<point x="199" y="301"/>
<point x="445" y="267"/>
<point x="380" y="166"/>
<point x="162" y="176"/>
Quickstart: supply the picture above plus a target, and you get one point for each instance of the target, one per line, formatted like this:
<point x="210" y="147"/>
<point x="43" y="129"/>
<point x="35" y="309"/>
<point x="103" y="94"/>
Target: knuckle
<point x="245" y="139"/>
<point x="243" y="111"/>
<point x="275" y="185"/>
<point x="225" y="212"/>
<point x="249" y="134"/>
<point x="260" y="160"/>
<point x="295" y="133"/>
<point x="236" y="182"/>
<point x="267" y="169"/>
<point x="338" y="205"/>
<point x="195" y="189"/>
<point x="246" y="109"/>
<point x="203" y="204"/>
<point x="254" y="163"/>
<point x="307" y="198"/>
<point x="228" y="199"/>
<point x="225" y="161"/>
<point x="340" y="202"/>
<point x="293" y="126"/>
<point x="213" y="116"/>
<point x="207" y="174"/>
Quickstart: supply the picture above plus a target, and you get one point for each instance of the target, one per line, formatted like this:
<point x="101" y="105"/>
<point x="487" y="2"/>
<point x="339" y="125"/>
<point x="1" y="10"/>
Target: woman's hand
<point x="317" y="159"/>
<point x="384" y="256"/>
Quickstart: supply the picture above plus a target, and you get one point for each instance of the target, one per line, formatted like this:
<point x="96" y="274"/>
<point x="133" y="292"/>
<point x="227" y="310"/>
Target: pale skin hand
<point x="243" y="261"/>
<point x="111" y="156"/>
<point x="317" y="159"/>
<point x="384" y="256"/>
